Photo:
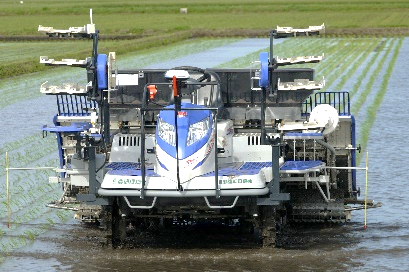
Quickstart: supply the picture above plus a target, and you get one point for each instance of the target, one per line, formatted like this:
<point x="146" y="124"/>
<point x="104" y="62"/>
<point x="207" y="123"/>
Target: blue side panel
<point x="102" y="76"/>
<point x="263" y="81"/>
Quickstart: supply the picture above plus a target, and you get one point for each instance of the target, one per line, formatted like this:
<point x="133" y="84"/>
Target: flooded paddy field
<point x="373" y="70"/>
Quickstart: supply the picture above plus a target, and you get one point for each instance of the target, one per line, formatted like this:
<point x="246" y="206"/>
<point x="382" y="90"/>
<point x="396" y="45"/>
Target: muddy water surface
<point x="75" y="248"/>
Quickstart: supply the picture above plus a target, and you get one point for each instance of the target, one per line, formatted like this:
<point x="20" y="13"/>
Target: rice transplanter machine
<point x="258" y="145"/>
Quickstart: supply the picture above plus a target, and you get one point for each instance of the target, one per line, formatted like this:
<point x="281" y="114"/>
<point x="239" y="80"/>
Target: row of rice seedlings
<point x="31" y="207"/>
<point x="365" y="70"/>
<point x="25" y="236"/>
<point x="358" y="103"/>
<point x="339" y="52"/>
<point x="32" y="197"/>
<point x="21" y="196"/>
<point x="317" y="49"/>
<point x="373" y="108"/>
<point x="34" y="212"/>
<point x="20" y="179"/>
<point x="365" y="50"/>
<point x="25" y="191"/>
<point x="45" y="193"/>
<point x="28" y="155"/>
<point x="27" y="86"/>
<point x="368" y="48"/>
<point x="332" y="59"/>
<point x="13" y="145"/>
<point x="23" y="180"/>
<point x="360" y="51"/>
<point x="296" y="47"/>
<point x="342" y="62"/>
<point x="330" y="48"/>
<point x="24" y="175"/>
<point x="303" y="47"/>
<point x="33" y="140"/>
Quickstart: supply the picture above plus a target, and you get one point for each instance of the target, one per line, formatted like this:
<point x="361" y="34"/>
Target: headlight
<point x="166" y="132"/>
<point x="197" y="131"/>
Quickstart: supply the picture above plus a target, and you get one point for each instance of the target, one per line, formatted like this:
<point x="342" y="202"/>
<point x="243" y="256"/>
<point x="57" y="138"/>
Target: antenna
<point x="90" y="15"/>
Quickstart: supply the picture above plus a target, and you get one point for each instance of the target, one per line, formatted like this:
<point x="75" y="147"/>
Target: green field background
<point x="130" y="25"/>
<point x="136" y="17"/>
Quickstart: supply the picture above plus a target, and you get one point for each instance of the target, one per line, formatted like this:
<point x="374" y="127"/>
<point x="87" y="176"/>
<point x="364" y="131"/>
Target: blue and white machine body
<point x="195" y="143"/>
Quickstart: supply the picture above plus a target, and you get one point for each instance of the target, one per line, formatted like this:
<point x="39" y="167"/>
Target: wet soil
<point x="200" y="247"/>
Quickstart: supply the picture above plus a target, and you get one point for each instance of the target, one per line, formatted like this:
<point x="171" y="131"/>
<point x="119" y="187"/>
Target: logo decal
<point x="116" y="181"/>
<point x="233" y="181"/>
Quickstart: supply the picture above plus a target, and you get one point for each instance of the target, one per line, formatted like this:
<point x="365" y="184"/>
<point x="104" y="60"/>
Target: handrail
<point x="339" y="100"/>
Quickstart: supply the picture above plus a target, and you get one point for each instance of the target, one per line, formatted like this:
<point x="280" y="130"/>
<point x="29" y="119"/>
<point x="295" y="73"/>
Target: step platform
<point x="301" y="167"/>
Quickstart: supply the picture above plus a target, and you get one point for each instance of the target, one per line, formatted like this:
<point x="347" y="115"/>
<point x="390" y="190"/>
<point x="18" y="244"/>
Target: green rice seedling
<point x="49" y="220"/>
<point x="17" y="220"/>
<point x="4" y="248"/>
<point x="14" y="242"/>
<point x="29" y="234"/>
